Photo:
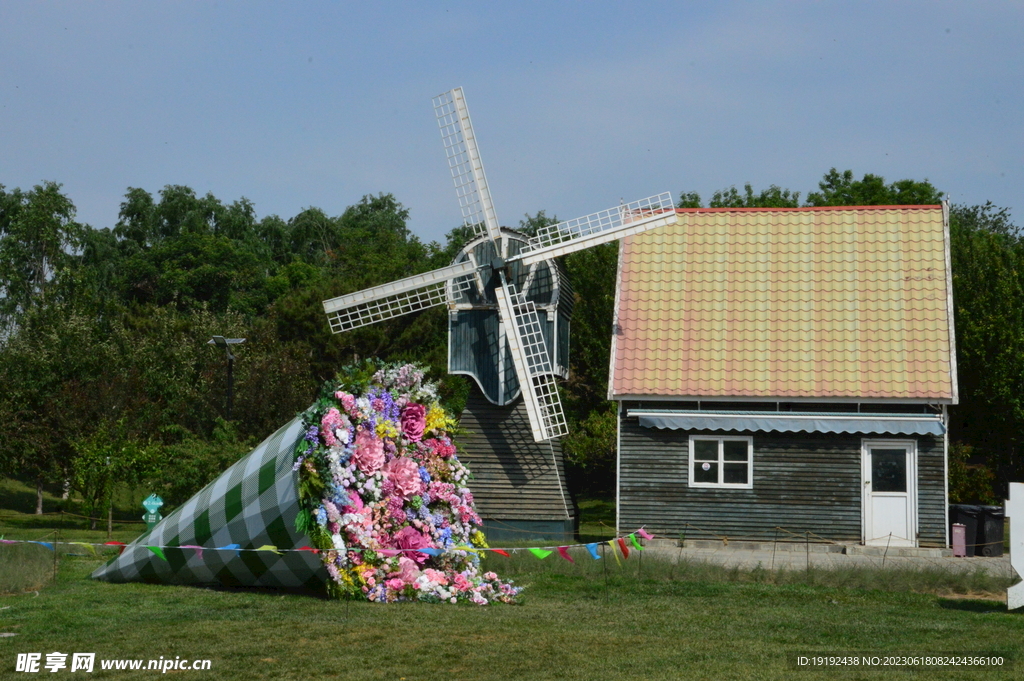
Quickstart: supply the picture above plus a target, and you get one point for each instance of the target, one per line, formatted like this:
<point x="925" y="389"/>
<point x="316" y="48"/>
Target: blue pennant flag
<point x="593" y="550"/>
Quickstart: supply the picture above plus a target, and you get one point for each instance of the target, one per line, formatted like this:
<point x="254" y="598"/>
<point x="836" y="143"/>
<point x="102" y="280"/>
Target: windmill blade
<point x="532" y="362"/>
<point x="598" y="228"/>
<point x="397" y="298"/>
<point x="464" y="160"/>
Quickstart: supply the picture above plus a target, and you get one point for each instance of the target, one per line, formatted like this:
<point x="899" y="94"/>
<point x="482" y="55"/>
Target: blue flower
<point x="424" y="475"/>
<point x="321" y="516"/>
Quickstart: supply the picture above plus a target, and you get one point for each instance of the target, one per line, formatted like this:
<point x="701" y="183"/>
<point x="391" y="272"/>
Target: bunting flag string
<point x="617" y="546"/>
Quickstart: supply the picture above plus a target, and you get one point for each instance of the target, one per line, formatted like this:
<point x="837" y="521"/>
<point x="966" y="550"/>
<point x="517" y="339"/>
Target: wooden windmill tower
<point x="509" y="307"/>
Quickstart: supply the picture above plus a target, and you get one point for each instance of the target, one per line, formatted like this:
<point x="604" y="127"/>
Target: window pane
<point x="889" y="470"/>
<point x="735" y="473"/>
<point x="705" y="450"/>
<point x="705" y="471"/>
<point x="735" y="450"/>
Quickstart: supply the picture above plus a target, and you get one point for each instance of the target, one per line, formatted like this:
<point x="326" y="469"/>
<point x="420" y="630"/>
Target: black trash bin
<point x="967" y="515"/>
<point x="990" y="530"/>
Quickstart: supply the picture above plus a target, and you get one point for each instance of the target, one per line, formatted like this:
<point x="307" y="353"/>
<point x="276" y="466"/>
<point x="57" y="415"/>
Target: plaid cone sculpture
<point x="252" y="504"/>
<point x="367" y="475"/>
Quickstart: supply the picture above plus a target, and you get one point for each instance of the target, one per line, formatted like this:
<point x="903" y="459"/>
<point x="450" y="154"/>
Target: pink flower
<point x="395" y="584"/>
<point x="442" y="447"/>
<point x="436" y="576"/>
<point x="411" y="540"/>
<point x="405" y="475"/>
<point x="408" y="570"/>
<point x="461" y="583"/>
<point x="414" y="420"/>
<point x="355" y="502"/>
<point x="347" y="401"/>
<point x="369" y="454"/>
<point x="330" y="421"/>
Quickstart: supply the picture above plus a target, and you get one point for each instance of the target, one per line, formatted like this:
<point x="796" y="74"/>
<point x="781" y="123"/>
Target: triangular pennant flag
<point x="390" y="553"/>
<point x="88" y="547"/>
<point x="563" y="551"/>
<point x="43" y="543"/>
<point x="430" y="551"/>
<point x="7" y="541"/>
<point x="645" y="534"/>
<point x="119" y="544"/>
<point x="158" y="551"/>
<point x="500" y="552"/>
<point x="540" y="553"/>
<point x="625" y="549"/>
<point x="197" y="549"/>
<point x="269" y="547"/>
<point x="252" y="503"/>
<point x="611" y="543"/>
<point x="632" y="538"/>
<point x="592" y="547"/>
<point x="317" y="551"/>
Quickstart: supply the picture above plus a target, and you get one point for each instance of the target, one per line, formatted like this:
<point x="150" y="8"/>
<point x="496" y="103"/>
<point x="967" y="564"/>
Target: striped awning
<point x="767" y="421"/>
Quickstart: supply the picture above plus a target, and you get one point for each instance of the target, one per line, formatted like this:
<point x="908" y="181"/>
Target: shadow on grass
<point x="977" y="605"/>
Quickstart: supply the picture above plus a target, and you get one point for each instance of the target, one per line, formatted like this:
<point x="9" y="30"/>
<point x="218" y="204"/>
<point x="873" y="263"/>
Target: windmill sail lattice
<point x="523" y="329"/>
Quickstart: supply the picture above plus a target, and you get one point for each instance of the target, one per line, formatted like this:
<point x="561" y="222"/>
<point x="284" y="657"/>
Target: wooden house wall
<point x="801" y="482"/>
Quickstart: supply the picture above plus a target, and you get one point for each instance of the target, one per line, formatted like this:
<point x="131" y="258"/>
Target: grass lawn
<point x="590" y="620"/>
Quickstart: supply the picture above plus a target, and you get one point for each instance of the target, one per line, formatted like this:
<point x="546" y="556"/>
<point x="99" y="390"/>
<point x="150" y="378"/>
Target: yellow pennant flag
<point x="90" y="547"/>
<point x="611" y="543"/>
<point x="269" y="547"/>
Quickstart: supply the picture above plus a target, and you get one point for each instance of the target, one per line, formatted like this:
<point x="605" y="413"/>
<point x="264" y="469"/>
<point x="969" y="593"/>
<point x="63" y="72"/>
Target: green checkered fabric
<point x="252" y="504"/>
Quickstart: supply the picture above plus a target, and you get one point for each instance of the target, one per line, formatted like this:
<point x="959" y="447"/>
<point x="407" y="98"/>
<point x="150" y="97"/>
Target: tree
<point x="38" y="235"/>
<point x="988" y="297"/>
<point x="105" y="459"/>
<point x="840" y="189"/>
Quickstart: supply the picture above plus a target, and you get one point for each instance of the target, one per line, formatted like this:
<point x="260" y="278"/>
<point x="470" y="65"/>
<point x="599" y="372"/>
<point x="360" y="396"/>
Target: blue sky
<point x="575" y="105"/>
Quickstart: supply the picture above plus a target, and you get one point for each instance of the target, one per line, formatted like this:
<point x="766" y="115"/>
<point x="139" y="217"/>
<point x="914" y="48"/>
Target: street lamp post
<point x="226" y="343"/>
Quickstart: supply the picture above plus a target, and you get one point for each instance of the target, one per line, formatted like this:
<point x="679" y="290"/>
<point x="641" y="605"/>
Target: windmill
<point x="506" y="296"/>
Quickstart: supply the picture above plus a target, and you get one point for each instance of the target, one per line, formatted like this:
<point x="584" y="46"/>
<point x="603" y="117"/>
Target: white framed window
<point x="722" y="461"/>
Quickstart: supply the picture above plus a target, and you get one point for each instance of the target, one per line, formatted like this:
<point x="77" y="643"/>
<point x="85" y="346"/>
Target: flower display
<point x="384" y="496"/>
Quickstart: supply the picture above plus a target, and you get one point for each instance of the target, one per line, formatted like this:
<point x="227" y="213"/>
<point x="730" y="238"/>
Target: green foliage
<point x="105" y="459"/>
<point x="988" y="298"/>
<point x="187" y="465"/>
<point x="840" y="189"/>
<point x="689" y="200"/>
<point x="38" y="234"/>
<point x="773" y="197"/>
<point x="969" y="483"/>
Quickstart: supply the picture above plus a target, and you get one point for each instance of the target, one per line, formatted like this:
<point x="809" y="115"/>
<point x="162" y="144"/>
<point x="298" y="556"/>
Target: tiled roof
<point x="787" y="303"/>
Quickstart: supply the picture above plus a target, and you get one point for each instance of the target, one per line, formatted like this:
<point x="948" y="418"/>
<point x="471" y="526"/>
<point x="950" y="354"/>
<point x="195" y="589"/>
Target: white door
<point x="889" y="476"/>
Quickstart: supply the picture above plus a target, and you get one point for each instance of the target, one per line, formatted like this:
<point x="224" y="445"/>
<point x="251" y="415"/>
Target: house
<point x="786" y="368"/>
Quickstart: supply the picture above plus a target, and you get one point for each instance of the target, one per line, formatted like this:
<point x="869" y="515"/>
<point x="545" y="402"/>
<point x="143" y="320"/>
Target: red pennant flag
<point x="563" y="551"/>
<point x="308" y="548"/>
<point x="622" y="545"/>
<point x="500" y="552"/>
<point x="120" y="544"/>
